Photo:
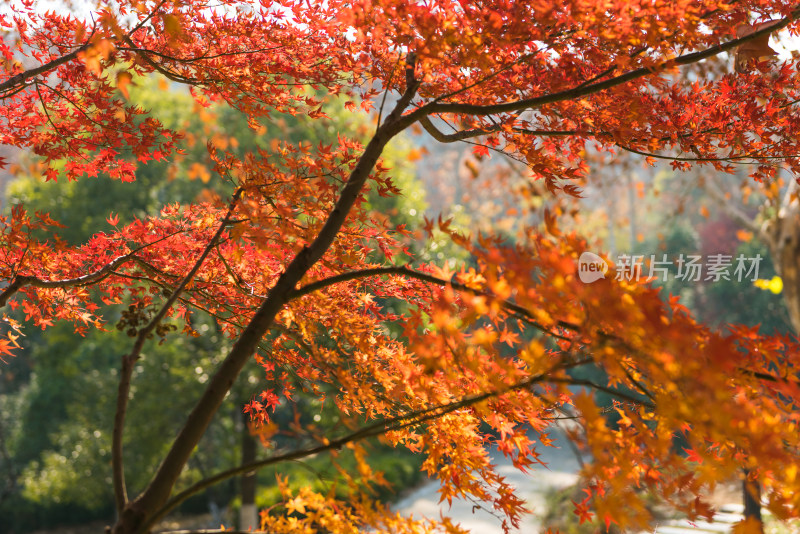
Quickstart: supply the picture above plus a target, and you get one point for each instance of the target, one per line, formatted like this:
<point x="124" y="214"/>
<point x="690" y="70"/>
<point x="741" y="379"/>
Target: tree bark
<point x="248" y="515"/>
<point x="751" y="491"/>
<point x="784" y="244"/>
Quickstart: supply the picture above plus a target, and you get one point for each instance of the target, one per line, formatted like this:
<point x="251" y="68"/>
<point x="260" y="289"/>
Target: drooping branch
<point x="204" y="57"/>
<point x="519" y="311"/>
<point x="463" y="135"/>
<point x="107" y="270"/>
<point x="741" y="158"/>
<point x="145" y="55"/>
<point x="637" y="384"/>
<point x="605" y="389"/>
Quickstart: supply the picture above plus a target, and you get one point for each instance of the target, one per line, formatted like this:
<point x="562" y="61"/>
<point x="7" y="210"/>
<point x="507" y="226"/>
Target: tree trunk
<point x="784" y="232"/>
<point x="248" y="515"/>
<point x="751" y="491"/>
<point x="782" y="235"/>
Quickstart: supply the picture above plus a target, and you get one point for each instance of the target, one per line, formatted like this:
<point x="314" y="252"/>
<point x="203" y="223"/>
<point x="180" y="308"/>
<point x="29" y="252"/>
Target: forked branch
<point x="128" y="361"/>
<point x="158" y="492"/>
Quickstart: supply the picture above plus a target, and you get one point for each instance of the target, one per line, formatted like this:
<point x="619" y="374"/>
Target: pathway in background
<point x="533" y="487"/>
<point x="561" y="471"/>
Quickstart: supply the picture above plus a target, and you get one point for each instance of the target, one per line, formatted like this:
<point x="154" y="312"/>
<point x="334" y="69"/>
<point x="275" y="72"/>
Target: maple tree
<point x="295" y="251"/>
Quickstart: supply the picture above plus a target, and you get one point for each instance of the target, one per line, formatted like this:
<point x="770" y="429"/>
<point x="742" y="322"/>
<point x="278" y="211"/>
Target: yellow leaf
<point x="220" y="141"/>
<point x="124" y="79"/>
<point x="472" y="167"/>
<point x="776" y="284"/>
<point x="550" y="223"/>
<point x="100" y="50"/>
<point x="296" y="505"/>
<point x="172" y="27"/>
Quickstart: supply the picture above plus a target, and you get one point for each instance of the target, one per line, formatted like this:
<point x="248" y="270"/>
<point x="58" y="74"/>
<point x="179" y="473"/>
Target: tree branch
<point x="379" y="427"/>
<point x="128" y="361"/>
<point x="21" y="78"/>
<point x="410" y="273"/>
<point x="426" y="123"/>
<point x="611" y="391"/>
<point x="713" y="189"/>
<point x="21" y="281"/>
<point x="730" y="159"/>
<point x="461" y="135"/>
<point x="160" y="487"/>
<point x="145" y="55"/>
<point x="585" y="90"/>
